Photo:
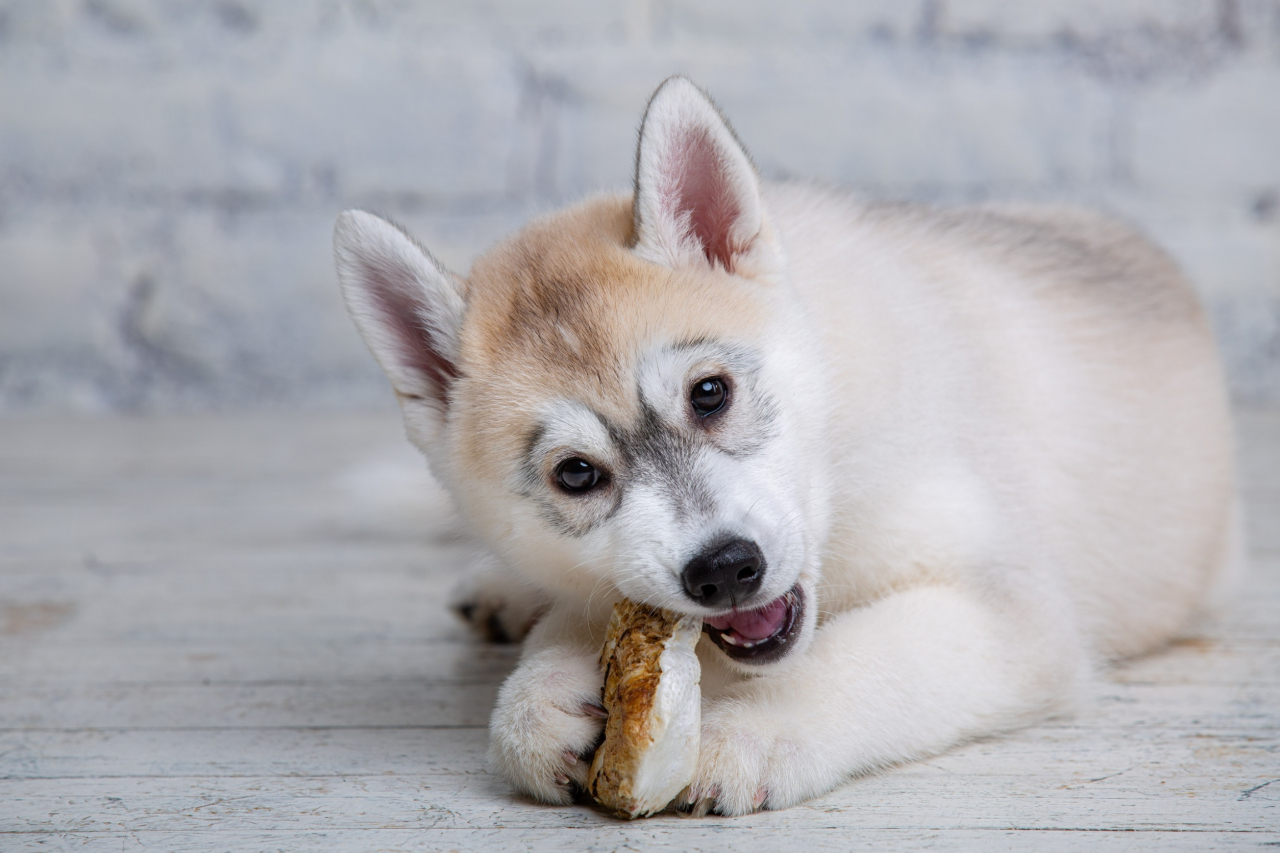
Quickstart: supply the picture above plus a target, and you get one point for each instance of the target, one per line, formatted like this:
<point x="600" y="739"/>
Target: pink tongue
<point x="753" y="624"/>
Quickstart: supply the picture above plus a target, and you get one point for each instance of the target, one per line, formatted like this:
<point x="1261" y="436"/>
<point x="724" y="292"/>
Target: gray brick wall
<point x="169" y="171"/>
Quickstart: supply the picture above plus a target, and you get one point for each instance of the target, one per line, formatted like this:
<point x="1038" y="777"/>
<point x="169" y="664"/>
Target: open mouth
<point x="763" y="635"/>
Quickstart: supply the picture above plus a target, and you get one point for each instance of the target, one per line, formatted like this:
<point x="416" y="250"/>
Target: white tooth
<point x="731" y="639"/>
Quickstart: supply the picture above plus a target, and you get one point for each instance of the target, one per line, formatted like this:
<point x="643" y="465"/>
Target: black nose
<point x="725" y="573"/>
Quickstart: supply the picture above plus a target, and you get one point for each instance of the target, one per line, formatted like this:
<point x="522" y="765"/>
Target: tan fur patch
<point x="563" y="309"/>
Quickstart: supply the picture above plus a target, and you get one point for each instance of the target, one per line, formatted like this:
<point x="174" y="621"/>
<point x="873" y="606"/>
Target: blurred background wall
<point x="170" y="170"/>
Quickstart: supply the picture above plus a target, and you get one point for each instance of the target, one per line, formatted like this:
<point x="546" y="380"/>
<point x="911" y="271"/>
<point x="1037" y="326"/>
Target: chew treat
<point x="651" y="692"/>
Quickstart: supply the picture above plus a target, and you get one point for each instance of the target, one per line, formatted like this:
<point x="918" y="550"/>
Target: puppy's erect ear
<point x="697" y="195"/>
<point x="407" y="307"/>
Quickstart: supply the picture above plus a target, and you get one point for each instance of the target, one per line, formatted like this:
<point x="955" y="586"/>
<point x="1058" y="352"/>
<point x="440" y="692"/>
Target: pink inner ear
<point x="701" y="189"/>
<point x="392" y="292"/>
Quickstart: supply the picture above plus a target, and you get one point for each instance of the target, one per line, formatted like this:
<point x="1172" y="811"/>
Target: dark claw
<point x="701" y="807"/>
<point x="494" y="631"/>
<point x="593" y="709"/>
<point x="693" y="803"/>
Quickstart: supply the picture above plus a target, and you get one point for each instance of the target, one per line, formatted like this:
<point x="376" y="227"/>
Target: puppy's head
<point x="623" y="397"/>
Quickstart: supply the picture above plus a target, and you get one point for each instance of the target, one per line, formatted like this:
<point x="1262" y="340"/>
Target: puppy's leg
<point x="900" y="679"/>
<point x="548" y="719"/>
<point x="497" y="603"/>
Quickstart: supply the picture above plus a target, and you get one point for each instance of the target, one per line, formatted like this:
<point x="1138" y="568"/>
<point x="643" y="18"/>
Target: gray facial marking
<point x="662" y="452"/>
<point x="753" y="429"/>
<point x="752" y="419"/>
<point x="531" y="485"/>
<point x="667" y="455"/>
<point x="571" y="527"/>
<point x="530" y="477"/>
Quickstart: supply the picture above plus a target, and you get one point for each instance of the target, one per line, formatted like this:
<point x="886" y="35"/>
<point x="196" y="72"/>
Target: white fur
<point x="1000" y="456"/>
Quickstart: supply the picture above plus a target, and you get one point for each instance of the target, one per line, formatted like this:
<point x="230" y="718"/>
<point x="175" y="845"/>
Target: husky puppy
<point x="919" y="470"/>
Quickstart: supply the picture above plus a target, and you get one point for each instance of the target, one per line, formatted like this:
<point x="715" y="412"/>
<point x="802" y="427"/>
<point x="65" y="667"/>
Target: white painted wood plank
<point x="1044" y="755"/>
<point x="124" y="662"/>
<point x="745" y="835"/>
<point x="467" y="703"/>
<point x="268" y="599"/>
<point x="1160" y="798"/>
<point x="374" y="703"/>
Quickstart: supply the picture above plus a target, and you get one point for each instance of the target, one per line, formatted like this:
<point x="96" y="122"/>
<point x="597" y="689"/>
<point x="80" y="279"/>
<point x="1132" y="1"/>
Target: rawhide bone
<point x="651" y="692"/>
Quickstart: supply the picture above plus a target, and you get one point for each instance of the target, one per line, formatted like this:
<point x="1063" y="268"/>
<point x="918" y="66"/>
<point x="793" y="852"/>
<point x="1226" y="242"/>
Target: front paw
<point x="749" y="760"/>
<point x="547" y="724"/>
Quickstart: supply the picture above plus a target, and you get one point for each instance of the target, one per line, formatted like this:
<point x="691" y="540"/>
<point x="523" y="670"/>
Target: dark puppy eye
<point x="577" y="475"/>
<point x="708" y="396"/>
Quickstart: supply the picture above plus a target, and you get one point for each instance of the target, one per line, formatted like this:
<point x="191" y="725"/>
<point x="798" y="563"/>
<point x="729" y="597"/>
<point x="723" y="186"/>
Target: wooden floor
<point x="230" y="634"/>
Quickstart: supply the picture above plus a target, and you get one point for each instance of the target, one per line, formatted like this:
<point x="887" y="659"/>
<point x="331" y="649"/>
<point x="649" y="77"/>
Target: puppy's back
<point x="1057" y="354"/>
